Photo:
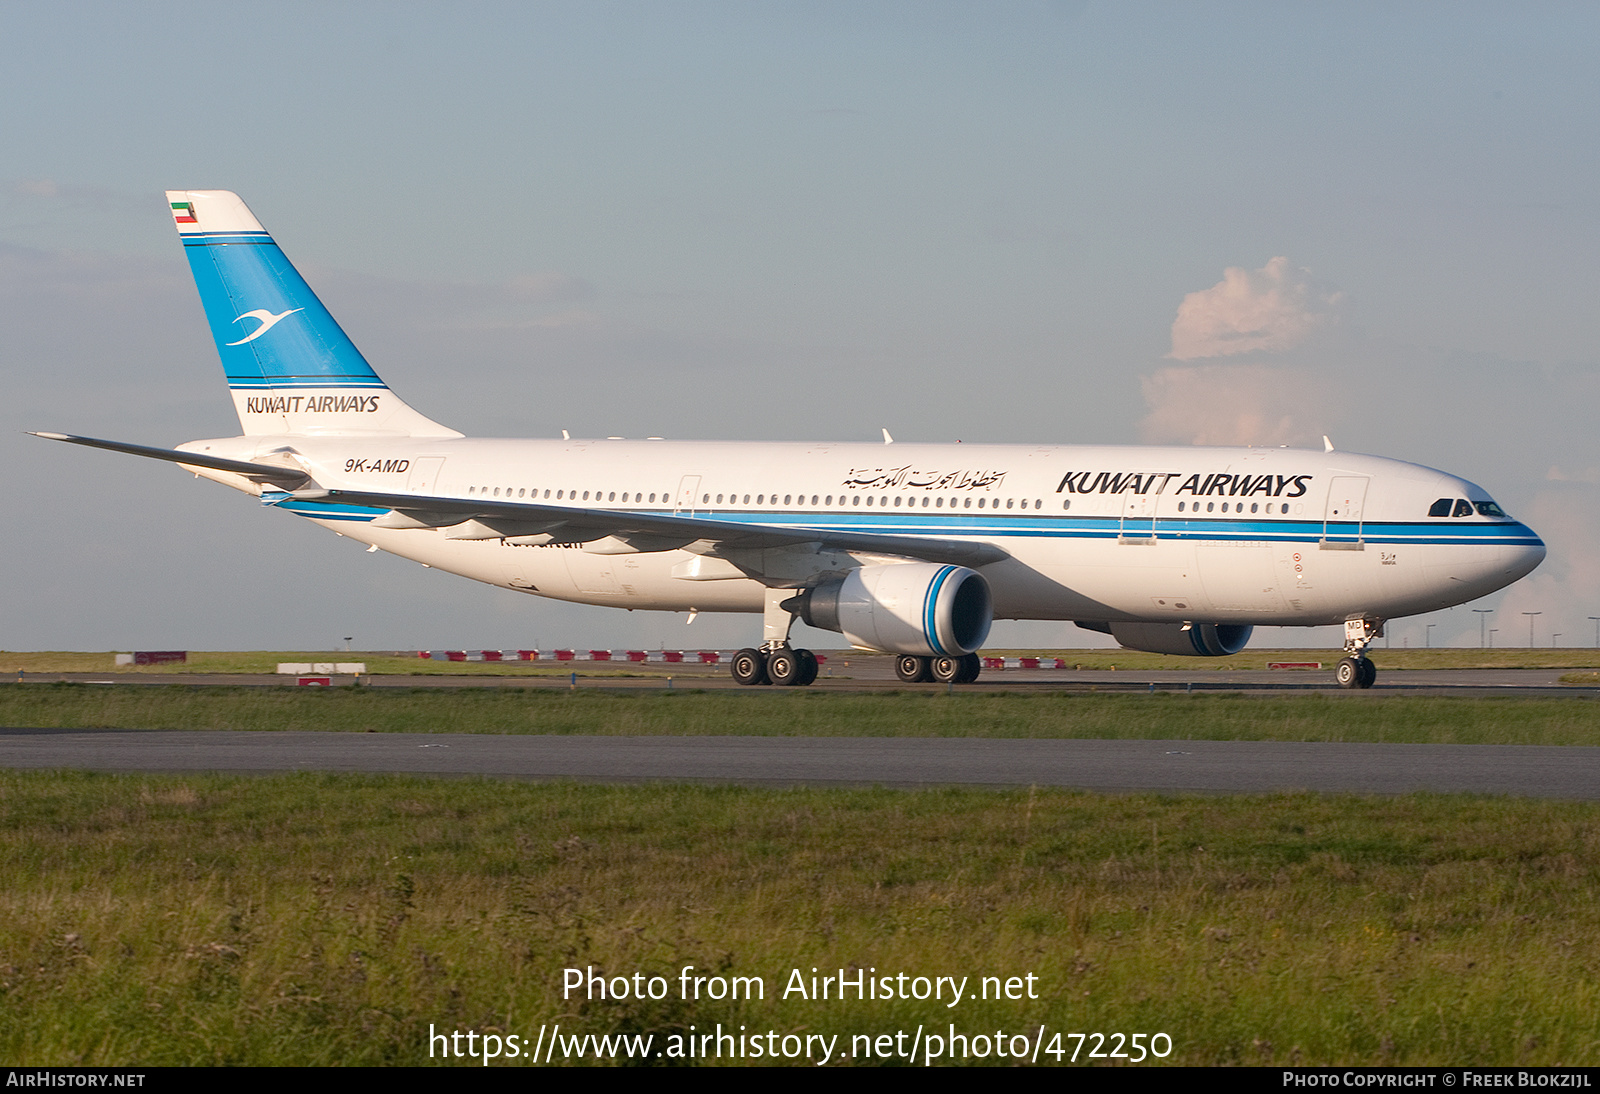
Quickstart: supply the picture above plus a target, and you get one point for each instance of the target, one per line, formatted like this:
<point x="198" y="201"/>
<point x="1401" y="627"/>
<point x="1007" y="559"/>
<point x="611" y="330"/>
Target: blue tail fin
<point x="291" y="367"/>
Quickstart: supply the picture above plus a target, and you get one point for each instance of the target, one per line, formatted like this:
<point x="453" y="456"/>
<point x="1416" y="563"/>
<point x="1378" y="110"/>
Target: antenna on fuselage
<point x="886" y="438"/>
<point x="1327" y="445"/>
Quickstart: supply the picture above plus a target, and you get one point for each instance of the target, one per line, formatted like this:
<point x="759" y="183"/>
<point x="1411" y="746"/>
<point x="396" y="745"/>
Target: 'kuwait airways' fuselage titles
<point x="1215" y="484"/>
<point x="879" y="478"/>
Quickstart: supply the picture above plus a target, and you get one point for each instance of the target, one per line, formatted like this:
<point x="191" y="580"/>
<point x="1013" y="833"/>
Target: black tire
<point x="911" y="668"/>
<point x="1348" y="673"/>
<point x="945" y="670"/>
<point x="1369" y="673"/>
<point x="808" y="668"/>
<point x="783" y="668"/>
<point x="750" y="667"/>
<point x="971" y="667"/>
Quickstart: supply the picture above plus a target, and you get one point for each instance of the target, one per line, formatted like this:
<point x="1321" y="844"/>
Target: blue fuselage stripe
<point x="1046" y="527"/>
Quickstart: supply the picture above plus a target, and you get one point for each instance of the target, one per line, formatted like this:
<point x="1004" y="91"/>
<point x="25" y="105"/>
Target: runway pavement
<point x="1205" y="766"/>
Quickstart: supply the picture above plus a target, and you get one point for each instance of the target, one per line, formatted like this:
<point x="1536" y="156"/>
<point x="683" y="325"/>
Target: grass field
<point x="320" y="919"/>
<point x="773" y="712"/>
<point x="330" y="919"/>
<point x="389" y="663"/>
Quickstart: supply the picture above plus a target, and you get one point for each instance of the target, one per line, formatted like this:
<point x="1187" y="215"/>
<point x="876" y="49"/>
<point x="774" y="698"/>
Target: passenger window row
<point x="1238" y="507"/>
<point x="790" y="500"/>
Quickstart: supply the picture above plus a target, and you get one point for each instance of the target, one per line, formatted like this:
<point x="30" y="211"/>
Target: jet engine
<point x="1184" y="639"/>
<point x="919" y="608"/>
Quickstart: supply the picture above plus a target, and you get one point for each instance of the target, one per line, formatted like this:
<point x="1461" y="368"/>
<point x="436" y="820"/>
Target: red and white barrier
<point x="1004" y="663"/>
<point x="668" y="657"/>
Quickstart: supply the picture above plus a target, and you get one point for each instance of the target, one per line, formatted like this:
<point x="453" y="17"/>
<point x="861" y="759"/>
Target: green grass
<point x="384" y="664"/>
<point x="319" y="919"/>
<point x="771" y="712"/>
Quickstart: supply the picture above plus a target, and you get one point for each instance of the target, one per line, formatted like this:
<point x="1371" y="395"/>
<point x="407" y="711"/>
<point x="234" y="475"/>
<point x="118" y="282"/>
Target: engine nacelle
<point x="921" y="608"/>
<point x="1189" y="640"/>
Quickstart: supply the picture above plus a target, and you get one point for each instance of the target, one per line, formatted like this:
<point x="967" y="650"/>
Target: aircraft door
<point x="1341" y="523"/>
<point x="1140" y="500"/>
<point x="425" y="475"/>
<point x="688" y="488"/>
<point x="1138" y="517"/>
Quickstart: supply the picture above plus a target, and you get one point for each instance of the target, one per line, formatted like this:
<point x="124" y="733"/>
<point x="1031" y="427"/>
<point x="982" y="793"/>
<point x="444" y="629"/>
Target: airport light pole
<point x="1481" y="612"/>
<point x="1530" y="616"/>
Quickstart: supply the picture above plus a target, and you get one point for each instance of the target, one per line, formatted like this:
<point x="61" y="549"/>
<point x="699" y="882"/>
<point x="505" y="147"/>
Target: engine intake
<point x="920" y="608"/>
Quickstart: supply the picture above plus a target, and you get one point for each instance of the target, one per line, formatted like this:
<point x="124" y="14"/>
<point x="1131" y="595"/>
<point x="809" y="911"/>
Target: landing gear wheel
<point x="912" y="669"/>
<point x="971" y="666"/>
<point x="944" y="670"/>
<point x="1355" y="672"/>
<point x="808" y="668"/>
<point x="783" y="667"/>
<point x="750" y="667"/>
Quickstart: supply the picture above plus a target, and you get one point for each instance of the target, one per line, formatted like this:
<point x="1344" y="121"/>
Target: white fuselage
<point x="1094" y="533"/>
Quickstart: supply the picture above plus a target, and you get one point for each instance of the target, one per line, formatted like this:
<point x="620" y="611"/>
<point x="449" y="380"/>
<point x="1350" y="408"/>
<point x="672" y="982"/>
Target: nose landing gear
<point x="1356" y="671"/>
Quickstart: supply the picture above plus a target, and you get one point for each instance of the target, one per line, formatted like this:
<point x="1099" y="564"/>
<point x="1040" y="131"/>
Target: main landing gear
<point x="784" y="666"/>
<point x="944" y="670"/>
<point x="1355" y="671"/>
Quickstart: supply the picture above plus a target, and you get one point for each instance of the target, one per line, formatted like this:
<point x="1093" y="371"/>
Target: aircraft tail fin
<point x="291" y="368"/>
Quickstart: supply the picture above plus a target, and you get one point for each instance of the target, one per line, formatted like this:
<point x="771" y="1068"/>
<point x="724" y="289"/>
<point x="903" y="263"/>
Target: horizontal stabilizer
<point x="288" y="478"/>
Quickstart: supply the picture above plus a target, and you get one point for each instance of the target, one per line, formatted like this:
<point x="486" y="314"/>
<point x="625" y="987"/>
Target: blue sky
<point x="789" y="221"/>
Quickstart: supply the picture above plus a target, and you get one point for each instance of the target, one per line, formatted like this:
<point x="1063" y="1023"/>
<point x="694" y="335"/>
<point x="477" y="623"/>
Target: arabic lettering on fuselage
<point x="1200" y="486"/>
<point x="888" y="478"/>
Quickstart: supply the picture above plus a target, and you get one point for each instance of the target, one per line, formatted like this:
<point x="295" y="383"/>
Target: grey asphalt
<point x="1181" y="766"/>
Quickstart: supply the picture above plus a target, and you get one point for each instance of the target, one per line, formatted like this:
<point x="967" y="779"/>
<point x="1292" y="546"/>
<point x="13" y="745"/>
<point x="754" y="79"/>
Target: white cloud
<point x="1565" y="590"/>
<point x="36" y="188"/>
<point x="1236" y="404"/>
<point x="1274" y="308"/>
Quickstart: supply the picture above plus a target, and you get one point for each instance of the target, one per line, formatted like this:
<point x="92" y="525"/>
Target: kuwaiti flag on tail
<point x="292" y="368"/>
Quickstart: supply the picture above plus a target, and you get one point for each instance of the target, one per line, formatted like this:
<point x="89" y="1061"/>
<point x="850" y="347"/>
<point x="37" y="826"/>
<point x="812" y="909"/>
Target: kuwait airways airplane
<point x="911" y="549"/>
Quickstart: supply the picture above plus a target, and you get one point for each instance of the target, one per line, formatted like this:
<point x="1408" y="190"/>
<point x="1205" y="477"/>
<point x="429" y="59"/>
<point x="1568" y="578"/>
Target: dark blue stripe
<point x="226" y="239"/>
<point x="268" y="383"/>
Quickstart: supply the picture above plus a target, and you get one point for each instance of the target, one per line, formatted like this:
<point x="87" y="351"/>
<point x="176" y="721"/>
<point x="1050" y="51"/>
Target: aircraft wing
<point x="481" y="518"/>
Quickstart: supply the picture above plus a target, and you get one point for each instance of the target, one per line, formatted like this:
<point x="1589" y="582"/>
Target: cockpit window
<point x="1463" y="508"/>
<point x="1489" y="509"/>
<point x="1440" y="508"/>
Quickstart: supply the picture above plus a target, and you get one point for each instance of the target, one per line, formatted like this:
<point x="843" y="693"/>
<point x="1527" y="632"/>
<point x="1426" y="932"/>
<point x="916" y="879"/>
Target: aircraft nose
<point x="1523" y="557"/>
